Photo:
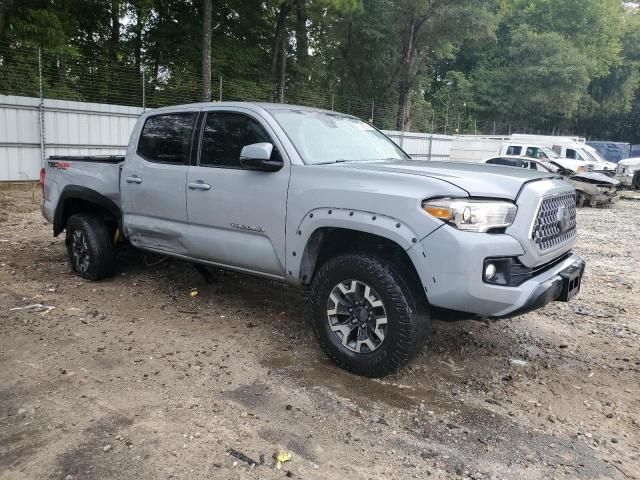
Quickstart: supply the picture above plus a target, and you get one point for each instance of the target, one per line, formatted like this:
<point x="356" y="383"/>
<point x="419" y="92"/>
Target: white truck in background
<point x="573" y="148"/>
<point x="570" y="152"/>
<point x="467" y="148"/>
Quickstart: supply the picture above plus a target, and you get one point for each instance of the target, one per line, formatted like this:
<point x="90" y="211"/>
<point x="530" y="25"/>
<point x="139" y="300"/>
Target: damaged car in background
<point x="595" y="189"/>
<point x="628" y="173"/>
<point x="592" y="189"/>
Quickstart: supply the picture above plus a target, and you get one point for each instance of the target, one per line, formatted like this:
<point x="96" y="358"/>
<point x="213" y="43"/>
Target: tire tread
<point x="101" y="249"/>
<point x="413" y="323"/>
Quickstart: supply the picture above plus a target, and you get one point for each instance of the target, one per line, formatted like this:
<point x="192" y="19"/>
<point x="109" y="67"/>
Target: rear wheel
<point x="367" y="315"/>
<point x="89" y="246"/>
<point x="636" y="181"/>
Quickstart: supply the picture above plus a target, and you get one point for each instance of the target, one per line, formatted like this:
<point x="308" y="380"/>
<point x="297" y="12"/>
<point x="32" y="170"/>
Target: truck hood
<point x="477" y="179"/>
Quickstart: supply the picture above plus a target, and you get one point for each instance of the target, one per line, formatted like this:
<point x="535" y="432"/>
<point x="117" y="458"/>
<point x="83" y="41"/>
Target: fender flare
<point x="76" y="192"/>
<point x="304" y="246"/>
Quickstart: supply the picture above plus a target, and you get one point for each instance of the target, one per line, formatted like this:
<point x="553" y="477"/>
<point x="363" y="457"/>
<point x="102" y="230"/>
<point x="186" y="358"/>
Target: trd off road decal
<point x="60" y="165"/>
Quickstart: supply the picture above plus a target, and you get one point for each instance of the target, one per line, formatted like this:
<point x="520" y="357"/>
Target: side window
<point x="507" y="162"/>
<point x="514" y="150"/>
<point x="167" y="138"/>
<point x="225" y="134"/>
<point x="535" y="152"/>
<point x="572" y="154"/>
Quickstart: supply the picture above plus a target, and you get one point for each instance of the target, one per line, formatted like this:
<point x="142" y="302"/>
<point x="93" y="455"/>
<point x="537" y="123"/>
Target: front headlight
<point x="472" y="215"/>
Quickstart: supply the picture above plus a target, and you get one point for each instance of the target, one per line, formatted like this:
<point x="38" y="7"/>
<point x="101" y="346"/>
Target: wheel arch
<point x="323" y="235"/>
<point x="77" y="199"/>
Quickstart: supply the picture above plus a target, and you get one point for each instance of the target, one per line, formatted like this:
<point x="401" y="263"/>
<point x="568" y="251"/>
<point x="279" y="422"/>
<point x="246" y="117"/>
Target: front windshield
<point x="550" y="166"/>
<point x="550" y="153"/>
<point x="589" y="156"/>
<point x="322" y="137"/>
<point x="593" y="153"/>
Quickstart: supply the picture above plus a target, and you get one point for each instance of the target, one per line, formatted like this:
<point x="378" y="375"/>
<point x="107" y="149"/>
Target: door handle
<point x="199" y="185"/>
<point x="134" y="179"/>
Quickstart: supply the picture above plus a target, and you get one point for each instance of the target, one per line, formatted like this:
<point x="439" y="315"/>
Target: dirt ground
<point x="133" y="378"/>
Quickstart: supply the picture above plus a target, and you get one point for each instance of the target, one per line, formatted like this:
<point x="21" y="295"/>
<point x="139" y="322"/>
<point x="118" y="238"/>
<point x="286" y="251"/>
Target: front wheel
<point x="367" y="316"/>
<point x="89" y="247"/>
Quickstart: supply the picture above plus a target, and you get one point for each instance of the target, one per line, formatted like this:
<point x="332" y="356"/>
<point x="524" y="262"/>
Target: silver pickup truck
<point x="379" y="243"/>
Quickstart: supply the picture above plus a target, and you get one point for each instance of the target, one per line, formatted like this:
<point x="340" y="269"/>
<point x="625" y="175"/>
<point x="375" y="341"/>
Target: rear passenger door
<point x="237" y="216"/>
<point x="153" y="183"/>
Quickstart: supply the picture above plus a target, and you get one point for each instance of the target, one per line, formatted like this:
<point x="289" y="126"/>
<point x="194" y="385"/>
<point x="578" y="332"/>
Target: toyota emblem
<point x="564" y="219"/>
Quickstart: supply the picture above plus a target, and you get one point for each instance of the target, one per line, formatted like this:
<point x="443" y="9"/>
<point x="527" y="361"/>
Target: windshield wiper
<point x="341" y="160"/>
<point x="373" y="160"/>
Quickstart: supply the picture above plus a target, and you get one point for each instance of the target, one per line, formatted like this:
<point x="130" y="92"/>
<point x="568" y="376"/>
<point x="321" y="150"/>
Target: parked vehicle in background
<point x="572" y="148"/>
<point x="628" y="173"/>
<point x="542" y="165"/>
<point x="466" y="148"/>
<point x="635" y="151"/>
<point x="592" y="189"/>
<point x="612" y="151"/>
<point x="600" y="162"/>
<point x="469" y="148"/>
<point x="323" y="201"/>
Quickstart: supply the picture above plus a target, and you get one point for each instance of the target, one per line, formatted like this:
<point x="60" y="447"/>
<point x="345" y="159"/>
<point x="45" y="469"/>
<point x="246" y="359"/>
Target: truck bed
<point x="74" y="173"/>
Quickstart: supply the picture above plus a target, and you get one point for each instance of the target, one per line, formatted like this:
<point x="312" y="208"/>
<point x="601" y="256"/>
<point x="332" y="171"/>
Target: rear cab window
<point x="514" y="150"/>
<point x="167" y="138"/>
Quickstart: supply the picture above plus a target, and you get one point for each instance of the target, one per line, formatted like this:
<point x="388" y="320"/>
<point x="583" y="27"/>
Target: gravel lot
<point x="134" y="378"/>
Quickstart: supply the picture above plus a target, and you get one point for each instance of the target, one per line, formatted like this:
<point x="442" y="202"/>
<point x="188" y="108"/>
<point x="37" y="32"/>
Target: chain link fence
<point x="26" y="71"/>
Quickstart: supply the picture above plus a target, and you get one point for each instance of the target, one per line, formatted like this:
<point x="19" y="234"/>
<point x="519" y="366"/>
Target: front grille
<point x="555" y="222"/>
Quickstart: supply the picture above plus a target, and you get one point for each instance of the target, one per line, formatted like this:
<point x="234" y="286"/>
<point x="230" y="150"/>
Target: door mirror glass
<point x="259" y="156"/>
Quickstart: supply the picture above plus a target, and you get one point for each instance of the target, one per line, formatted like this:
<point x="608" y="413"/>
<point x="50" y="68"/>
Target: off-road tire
<point x="100" y="251"/>
<point x="407" y="312"/>
<point x="635" y="183"/>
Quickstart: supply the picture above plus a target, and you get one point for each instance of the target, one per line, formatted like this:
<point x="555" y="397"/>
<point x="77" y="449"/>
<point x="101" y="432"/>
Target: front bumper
<point x="451" y="269"/>
<point x="562" y="287"/>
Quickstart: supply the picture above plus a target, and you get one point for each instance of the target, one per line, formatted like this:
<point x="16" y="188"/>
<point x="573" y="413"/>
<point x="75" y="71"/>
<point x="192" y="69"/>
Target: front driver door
<point x="237" y="216"/>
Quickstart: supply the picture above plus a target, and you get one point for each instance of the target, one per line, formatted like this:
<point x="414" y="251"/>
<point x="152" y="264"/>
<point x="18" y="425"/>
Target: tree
<point x="207" y="12"/>
<point x="5" y="7"/>
<point x="431" y="29"/>
<point x="387" y="47"/>
<point x="115" y="29"/>
<point x="541" y="77"/>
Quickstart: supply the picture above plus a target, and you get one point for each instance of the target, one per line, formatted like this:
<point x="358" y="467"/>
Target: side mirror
<point x="258" y="157"/>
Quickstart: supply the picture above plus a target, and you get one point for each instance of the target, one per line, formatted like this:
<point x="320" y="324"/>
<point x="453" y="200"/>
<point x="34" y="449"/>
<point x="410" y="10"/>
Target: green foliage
<point x="593" y="26"/>
<point x="446" y="64"/>
<point x="541" y="77"/>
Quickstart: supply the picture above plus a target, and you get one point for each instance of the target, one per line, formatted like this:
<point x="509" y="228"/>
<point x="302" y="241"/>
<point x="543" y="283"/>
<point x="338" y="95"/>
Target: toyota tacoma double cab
<point x="378" y="243"/>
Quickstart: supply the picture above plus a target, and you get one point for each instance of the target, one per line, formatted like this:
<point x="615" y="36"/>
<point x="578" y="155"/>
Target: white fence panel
<point x="19" y="138"/>
<point x="71" y="128"/>
<point x="423" y="146"/>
